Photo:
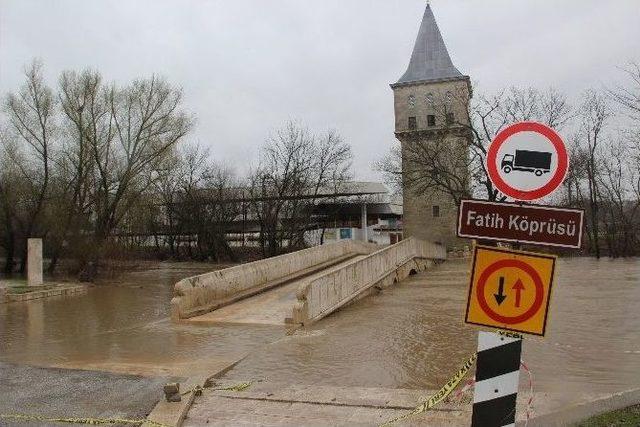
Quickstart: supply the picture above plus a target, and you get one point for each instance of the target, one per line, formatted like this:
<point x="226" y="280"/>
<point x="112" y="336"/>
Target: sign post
<point x="508" y="289"/>
<point x="497" y="374"/>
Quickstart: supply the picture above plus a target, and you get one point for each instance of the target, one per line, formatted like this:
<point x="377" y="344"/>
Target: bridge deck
<point x="270" y="307"/>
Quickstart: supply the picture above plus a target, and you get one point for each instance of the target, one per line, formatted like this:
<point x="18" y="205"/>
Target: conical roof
<point x="430" y="59"/>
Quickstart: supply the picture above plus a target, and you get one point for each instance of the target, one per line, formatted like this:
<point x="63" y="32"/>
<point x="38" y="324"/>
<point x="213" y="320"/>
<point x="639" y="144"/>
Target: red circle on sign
<point x="507" y="263"/>
<point x="549" y="187"/>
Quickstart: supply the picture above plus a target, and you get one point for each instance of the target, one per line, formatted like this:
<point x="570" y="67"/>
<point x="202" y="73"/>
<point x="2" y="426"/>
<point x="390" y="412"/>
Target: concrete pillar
<point x="365" y="238"/>
<point x="34" y="262"/>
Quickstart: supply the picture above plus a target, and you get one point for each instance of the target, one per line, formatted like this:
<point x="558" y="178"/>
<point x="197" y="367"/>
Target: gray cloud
<point x="247" y="66"/>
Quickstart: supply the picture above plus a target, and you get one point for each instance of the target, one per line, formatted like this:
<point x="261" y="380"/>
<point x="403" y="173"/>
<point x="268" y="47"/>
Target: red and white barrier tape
<point x="529" y="409"/>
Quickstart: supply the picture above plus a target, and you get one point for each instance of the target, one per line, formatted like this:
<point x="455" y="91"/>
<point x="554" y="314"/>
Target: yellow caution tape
<point x="237" y="387"/>
<point x="197" y="390"/>
<point x="441" y="394"/>
<point x="90" y="421"/>
<point x="97" y="421"/>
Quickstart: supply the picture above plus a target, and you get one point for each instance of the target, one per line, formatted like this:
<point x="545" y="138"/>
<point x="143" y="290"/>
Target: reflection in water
<point x="411" y="335"/>
<point x="35" y="324"/>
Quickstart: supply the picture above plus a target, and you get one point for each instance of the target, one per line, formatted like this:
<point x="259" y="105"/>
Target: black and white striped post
<point x="496" y="387"/>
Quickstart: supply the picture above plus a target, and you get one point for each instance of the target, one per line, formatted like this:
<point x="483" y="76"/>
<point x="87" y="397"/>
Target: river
<point x="409" y="336"/>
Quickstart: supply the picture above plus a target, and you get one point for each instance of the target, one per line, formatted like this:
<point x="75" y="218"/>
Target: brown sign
<point x="541" y="225"/>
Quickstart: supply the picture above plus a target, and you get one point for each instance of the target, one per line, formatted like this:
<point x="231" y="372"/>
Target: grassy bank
<point x="627" y="417"/>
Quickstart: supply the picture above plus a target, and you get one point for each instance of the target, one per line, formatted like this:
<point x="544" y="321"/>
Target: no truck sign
<point x="527" y="161"/>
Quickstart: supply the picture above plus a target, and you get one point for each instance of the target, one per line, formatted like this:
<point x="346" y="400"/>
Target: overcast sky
<point x="247" y="66"/>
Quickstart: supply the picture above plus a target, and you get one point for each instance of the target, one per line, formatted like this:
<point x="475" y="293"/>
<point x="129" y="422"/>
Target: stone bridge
<point x="300" y="287"/>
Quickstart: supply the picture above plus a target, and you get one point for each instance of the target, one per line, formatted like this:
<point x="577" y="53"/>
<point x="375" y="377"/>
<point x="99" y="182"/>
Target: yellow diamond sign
<point x="510" y="289"/>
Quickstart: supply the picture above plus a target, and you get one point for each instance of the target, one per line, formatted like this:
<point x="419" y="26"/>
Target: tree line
<point x="96" y="168"/>
<point x="602" y="132"/>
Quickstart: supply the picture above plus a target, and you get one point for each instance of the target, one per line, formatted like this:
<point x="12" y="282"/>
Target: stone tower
<point x="430" y="100"/>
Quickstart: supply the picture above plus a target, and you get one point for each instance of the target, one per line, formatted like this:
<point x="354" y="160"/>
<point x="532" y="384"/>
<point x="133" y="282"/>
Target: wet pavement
<point x="411" y="335"/>
<point x="63" y="393"/>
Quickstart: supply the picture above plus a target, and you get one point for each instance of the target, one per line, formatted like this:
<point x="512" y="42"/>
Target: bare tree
<point x="83" y="110"/>
<point x="620" y="211"/>
<point x="390" y="166"/>
<point x="221" y="206"/>
<point x="594" y="113"/>
<point x="11" y="191"/>
<point x="295" y="166"/>
<point x="576" y="175"/>
<point x="166" y="189"/>
<point x="131" y="131"/>
<point x="628" y="96"/>
<point x="453" y="159"/>
<point x="76" y="165"/>
<point x="201" y="199"/>
<point x="186" y="210"/>
<point x="31" y="114"/>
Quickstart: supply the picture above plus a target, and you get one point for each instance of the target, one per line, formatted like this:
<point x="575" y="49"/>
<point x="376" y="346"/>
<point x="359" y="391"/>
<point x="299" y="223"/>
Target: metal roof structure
<point x="346" y="192"/>
<point x="355" y="188"/>
<point x="430" y="59"/>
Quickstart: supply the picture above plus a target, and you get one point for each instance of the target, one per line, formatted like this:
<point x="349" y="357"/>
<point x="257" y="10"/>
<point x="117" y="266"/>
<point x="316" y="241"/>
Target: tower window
<point x="450" y="119"/>
<point x="431" y="120"/>
<point x="429" y="98"/>
<point x="435" y="211"/>
<point x="413" y="124"/>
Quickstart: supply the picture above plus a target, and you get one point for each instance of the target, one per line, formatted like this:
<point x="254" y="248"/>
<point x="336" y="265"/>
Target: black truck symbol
<point x="538" y="162"/>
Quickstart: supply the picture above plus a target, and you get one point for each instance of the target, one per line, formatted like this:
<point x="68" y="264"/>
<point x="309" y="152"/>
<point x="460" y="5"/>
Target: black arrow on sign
<point x="500" y="296"/>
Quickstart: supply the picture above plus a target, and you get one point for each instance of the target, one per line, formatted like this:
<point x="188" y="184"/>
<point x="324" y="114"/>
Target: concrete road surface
<point x="70" y="393"/>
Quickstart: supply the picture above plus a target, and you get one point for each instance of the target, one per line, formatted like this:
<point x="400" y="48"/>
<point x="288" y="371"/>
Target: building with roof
<point x="430" y="102"/>
<point x="365" y="211"/>
<point x="352" y="210"/>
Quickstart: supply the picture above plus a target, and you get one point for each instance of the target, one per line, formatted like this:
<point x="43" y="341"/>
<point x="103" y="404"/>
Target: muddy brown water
<point x="410" y="335"/>
<point x="123" y="326"/>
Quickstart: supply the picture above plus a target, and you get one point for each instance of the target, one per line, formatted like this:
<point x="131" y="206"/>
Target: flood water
<point x="409" y="336"/>
<point x="123" y="326"/>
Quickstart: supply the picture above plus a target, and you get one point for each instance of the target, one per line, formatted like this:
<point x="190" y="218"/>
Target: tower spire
<point x="430" y="59"/>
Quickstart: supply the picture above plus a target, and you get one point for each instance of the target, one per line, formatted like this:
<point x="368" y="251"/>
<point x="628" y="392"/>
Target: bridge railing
<point x="323" y="295"/>
<point x="206" y="292"/>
